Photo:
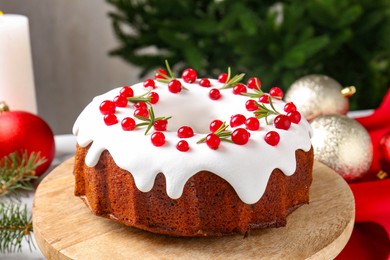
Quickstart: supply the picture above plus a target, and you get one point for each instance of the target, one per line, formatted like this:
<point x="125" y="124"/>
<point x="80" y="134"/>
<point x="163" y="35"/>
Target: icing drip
<point x="246" y="167"/>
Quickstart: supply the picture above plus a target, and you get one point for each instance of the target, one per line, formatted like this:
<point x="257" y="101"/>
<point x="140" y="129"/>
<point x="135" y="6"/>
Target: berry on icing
<point x="240" y="136"/>
<point x="214" y="94"/>
<point x="126" y="91"/>
<point x="185" y="132"/>
<point x="158" y="139"/>
<point x="272" y="138"/>
<point x="183" y="146"/>
<point x="189" y="75"/>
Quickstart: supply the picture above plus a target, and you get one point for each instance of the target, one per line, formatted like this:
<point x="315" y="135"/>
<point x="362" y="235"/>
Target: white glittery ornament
<point x="316" y="95"/>
<point x="342" y="144"/>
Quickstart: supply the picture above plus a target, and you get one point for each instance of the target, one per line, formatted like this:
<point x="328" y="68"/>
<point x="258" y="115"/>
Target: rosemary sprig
<point x="149" y="122"/>
<point x="223" y="133"/>
<point x="140" y="98"/>
<point x="166" y="78"/>
<point x="17" y="170"/>
<point x="231" y="82"/>
<point x="15" y="225"/>
<point x="255" y="94"/>
<point x="263" y="111"/>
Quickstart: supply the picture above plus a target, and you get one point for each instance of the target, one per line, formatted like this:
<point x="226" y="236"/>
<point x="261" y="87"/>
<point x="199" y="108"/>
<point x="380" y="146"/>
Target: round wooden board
<point x="65" y="228"/>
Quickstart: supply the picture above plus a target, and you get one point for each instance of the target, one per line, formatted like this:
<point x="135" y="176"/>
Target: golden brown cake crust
<point x="209" y="205"/>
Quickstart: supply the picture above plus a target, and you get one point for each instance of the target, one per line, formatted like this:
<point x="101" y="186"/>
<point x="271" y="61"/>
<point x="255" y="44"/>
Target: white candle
<point x="16" y="72"/>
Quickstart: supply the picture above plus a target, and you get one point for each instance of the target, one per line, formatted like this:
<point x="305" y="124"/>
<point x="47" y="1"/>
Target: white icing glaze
<point x="246" y="167"/>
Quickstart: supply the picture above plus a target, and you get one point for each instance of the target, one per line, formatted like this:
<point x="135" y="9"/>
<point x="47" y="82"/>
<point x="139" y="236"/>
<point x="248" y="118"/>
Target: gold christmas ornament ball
<point x="316" y="95"/>
<point x="342" y="144"/>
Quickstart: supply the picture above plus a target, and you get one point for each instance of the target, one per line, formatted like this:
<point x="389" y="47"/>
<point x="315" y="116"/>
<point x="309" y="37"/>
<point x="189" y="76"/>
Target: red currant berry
<point x="174" y="86"/>
<point x="141" y="105"/>
<point x="107" y="107"/>
<point x="120" y="101"/>
<point x="214" y="94"/>
<point x="254" y="83"/>
<point x="213" y="141"/>
<point x="128" y="124"/>
<point x="205" y="83"/>
<point x="215" y="125"/>
<point x="276" y="92"/>
<point x="294" y="116"/>
<point x="240" y="136"/>
<point x="290" y="107"/>
<point x="264" y="99"/>
<point x="154" y="97"/>
<point x="110" y="119"/>
<point x="252" y="123"/>
<point x="282" y="122"/>
<point x="222" y="78"/>
<point x="272" y="138"/>
<point x="251" y="105"/>
<point x="126" y="91"/>
<point x="237" y="120"/>
<point x="158" y="139"/>
<point x="183" y="146"/>
<point x="141" y="112"/>
<point x="149" y="83"/>
<point x="239" y="88"/>
<point x="185" y="132"/>
<point x="189" y="75"/>
<point x="161" y="74"/>
<point x="160" y="125"/>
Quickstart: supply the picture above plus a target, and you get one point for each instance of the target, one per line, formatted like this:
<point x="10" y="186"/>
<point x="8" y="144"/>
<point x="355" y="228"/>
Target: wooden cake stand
<point x="65" y="228"/>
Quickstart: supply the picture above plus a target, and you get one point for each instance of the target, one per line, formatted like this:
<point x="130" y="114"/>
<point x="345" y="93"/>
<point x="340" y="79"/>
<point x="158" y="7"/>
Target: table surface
<point x="65" y="148"/>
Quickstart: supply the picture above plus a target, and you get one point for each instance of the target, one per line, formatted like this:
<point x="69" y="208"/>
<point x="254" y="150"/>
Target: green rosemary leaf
<point x="272" y="105"/>
<point x="226" y="140"/>
<point x="169" y="70"/>
<point x="140" y="98"/>
<point x="163" y="118"/>
<point x="251" y="95"/>
<point x="234" y="81"/>
<point x="148" y="128"/>
<point x="151" y="114"/>
<point x="166" y="81"/>
<point x="142" y="124"/>
<point x="142" y="118"/>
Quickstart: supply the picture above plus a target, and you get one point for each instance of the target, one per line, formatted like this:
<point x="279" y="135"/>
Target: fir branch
<point x="17" y="170"/>
<point x="15" y="225"/>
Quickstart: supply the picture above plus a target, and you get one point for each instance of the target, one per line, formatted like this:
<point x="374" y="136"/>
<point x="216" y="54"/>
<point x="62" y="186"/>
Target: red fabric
<point x="370" y="237"/>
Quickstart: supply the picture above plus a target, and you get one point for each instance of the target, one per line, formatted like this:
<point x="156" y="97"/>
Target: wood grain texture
<point x="65" y="228"/>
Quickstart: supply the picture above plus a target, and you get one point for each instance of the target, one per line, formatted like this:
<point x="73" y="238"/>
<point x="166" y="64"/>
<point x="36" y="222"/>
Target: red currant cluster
<point x="158" y="138"/>
<point x="141" y="109"/>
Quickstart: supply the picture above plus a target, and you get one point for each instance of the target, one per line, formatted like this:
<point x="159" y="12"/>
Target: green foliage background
<point x="348" y="40"/>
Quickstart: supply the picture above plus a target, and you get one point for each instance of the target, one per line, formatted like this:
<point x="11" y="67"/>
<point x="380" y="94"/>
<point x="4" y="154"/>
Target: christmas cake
<point x="193" y="157"/>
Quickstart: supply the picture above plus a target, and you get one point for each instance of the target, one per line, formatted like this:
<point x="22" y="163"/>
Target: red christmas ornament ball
<point x="384" y="151"/>
<point x="22" y="131"/>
